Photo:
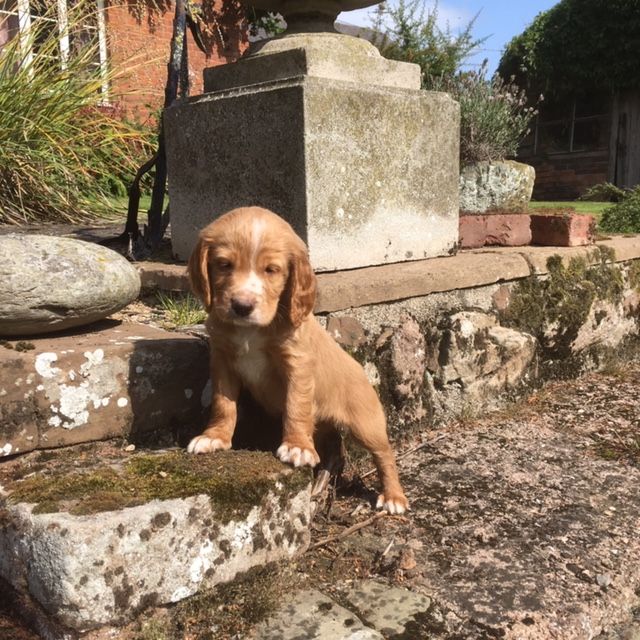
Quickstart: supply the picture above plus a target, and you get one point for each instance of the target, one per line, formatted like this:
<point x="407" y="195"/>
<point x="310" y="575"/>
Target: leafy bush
<point x="62" y="152"/>
<point x="623" y="217"/>
<point x="577" y="45"/>
<point x="603" y="192"/>
<point x="494" y="115"/>
<point x="410" y="33"/>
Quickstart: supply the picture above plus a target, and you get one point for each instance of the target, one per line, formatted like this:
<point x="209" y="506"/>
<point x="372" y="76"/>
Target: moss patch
<point x="236" y="481"/>
<point x="555" y="308"/>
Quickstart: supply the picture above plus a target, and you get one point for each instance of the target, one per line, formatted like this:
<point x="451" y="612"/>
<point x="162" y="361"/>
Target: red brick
<point x="508" y="229"/>
<point x="472" y="232"/>
<point x="568" y="230"/>
<point x="502" y="229"/>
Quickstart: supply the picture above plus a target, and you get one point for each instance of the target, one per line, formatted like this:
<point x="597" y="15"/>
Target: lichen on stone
<point x="236" y="481"/>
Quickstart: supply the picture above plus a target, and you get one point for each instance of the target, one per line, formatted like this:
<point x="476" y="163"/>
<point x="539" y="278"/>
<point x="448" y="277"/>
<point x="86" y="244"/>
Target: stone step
<point x="112" y="380"/>
<point x="95" y="535"/>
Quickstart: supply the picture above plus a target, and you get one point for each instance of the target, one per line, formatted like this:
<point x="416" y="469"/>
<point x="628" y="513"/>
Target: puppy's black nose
<point x="242" y="308"/>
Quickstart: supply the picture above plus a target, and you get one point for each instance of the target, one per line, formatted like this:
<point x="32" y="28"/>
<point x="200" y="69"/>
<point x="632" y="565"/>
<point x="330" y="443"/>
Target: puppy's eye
<point x="224" y="265"/>
<point x="272" y="268"/>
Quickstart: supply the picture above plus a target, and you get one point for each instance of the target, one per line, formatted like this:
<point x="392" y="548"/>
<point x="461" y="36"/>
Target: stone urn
<point x="309" y="15"/>
<point x="496" y="187"/>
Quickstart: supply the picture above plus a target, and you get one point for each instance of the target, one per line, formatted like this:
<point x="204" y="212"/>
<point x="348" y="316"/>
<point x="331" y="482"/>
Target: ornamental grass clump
<point x="63" y="153"/>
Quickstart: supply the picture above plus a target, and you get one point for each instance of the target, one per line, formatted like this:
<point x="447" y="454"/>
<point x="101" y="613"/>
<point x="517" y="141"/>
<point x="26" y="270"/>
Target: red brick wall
<point x="566" y="176"/>
<point x="139" y="49"/>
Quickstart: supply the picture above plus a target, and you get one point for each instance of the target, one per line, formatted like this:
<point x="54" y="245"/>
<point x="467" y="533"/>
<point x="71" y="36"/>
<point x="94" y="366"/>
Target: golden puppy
<point x="253" y="275"/>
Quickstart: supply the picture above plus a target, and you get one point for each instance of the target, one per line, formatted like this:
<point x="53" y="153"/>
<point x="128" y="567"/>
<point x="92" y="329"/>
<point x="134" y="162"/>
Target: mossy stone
<point x="235" y="481"/>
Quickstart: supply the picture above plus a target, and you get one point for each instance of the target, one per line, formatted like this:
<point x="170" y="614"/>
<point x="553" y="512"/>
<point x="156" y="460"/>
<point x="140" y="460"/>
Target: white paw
<point x="394" y="507"/>
<point x="205" y="444"/>
<point x="296" y="456"/>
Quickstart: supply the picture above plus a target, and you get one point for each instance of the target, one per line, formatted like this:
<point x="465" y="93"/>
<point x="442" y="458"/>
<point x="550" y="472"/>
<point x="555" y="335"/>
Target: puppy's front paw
<point x="297" y="456"/>
<point x="396" y="504"/>
<point x="205" y="444"/>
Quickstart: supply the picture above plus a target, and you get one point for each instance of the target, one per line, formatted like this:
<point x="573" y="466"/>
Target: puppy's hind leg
<point x="368" y="426"/>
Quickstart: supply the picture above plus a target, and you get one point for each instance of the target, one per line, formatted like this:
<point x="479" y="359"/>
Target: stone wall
<point x="457" y="353"/>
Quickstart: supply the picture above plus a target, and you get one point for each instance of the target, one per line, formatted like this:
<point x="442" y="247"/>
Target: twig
<point x="347" y="532"/>
<point x="404" y="454"/>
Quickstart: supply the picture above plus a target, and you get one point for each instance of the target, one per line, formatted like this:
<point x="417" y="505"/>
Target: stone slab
<point x="115" y="380"/>
<point x="570" y="230"/>
<point x="359" y="287"/>
<point x="338" y="160"/>
<point x="386" y="283"/>
<point x="387" y="609"/>
<point x="312" y="615"/>
<point x="185" y="524"/>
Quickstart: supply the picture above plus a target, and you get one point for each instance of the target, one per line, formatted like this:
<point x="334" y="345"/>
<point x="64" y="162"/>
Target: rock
<point x="346" y="331"/>
<point x="313" y="616"/>
<point x="52" y="283"/>
<point x="96" y="544"/>
<point x="387" y="609"/>
<point x="496" y="186"/>
<point x="403" y="369"/>
<point x="473" y="356"/>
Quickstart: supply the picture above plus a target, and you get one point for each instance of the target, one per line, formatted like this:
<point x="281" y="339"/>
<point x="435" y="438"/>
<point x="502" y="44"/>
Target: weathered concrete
<point x="336" y="154"/>
<point x="51" y="283"/>
<point x="114" y="380"/>
<point x="487" y="187"/>
<point x="186" y="523"/>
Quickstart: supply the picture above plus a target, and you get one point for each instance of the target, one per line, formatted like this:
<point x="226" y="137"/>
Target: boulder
<point x="51" y="283"/>
<point x="496" y="186"/>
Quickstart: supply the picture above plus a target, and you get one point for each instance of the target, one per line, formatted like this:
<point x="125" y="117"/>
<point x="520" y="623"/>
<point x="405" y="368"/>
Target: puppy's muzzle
<point x="243" y="307"/>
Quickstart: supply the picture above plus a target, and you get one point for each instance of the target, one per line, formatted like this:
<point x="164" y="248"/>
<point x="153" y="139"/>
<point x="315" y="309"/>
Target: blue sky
<point x="500" y="20"/>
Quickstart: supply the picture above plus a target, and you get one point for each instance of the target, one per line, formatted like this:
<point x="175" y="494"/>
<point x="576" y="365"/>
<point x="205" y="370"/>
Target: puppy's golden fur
<point x="253" y="275"/>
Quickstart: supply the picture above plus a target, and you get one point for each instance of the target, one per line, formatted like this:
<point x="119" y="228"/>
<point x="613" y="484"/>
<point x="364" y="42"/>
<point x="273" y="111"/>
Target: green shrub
<point x="409" y="32"/>
<point x="603" y="192"/>
<point x="494" y="115"/>
<point x="623" y="217"/>
<point x="62" y="152"/>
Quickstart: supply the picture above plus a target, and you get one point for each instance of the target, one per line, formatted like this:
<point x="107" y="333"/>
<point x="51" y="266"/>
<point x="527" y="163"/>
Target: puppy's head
<point x="249" y="268"/>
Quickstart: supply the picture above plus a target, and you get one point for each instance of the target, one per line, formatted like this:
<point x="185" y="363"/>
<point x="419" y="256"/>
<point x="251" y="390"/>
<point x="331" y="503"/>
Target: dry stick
<point x="404" y="454"/>
<point x="349" y="531"/>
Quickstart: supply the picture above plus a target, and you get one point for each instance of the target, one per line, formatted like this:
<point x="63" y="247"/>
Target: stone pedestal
<point x="324" y="131"/>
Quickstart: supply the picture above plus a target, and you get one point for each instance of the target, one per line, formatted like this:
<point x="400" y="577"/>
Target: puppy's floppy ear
<point x="198" y="270"/>
<point x="301" y="288"/>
